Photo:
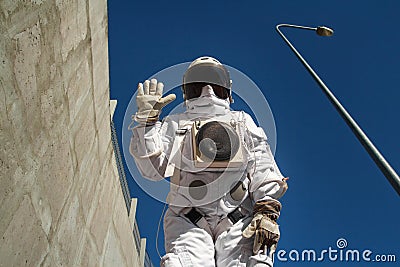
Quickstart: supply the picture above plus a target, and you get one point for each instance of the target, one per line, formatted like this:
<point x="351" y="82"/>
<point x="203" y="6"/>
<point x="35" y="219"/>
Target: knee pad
<point x="180" y="258"/>
<point x="170" y="260"/>
<point x="260" y="260"/>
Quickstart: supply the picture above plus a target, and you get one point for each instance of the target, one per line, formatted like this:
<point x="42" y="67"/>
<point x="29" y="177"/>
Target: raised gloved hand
<point x="264" y="226"/>
<point x="150" y="101"/>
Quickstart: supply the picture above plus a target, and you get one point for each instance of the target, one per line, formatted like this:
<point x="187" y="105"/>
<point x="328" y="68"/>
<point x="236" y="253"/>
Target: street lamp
<point x="379" y="160"/>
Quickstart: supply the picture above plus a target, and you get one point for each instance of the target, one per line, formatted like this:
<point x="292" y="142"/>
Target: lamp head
<point x="324" y="31"/>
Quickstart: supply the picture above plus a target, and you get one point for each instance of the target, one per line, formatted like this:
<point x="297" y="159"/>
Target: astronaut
<point x="223" y="203"/>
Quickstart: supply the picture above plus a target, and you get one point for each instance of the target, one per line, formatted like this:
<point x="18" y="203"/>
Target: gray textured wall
<point x="60" y="197"/>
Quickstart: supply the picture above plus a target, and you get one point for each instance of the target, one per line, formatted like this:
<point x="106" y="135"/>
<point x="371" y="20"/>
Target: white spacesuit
<point x="225" y="184"/>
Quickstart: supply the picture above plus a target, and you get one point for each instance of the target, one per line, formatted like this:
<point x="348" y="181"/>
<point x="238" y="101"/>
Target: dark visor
<point x="199" y="76"/>
<point x="193" y="90"/>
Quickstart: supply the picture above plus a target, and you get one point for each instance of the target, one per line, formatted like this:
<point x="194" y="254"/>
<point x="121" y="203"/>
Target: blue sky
<point x="335" y="189"/>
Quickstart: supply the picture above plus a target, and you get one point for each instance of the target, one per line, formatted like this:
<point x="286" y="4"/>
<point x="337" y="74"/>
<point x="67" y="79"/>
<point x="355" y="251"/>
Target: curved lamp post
<point x="379" y="160"/>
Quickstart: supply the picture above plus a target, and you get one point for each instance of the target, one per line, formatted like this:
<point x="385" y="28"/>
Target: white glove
<point x="150" y="101"/>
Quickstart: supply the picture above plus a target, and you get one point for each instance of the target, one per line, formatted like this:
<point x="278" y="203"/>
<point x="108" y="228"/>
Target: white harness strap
<point x="172" y="170"/>
<point x="176" y="146"/>
<point x="176" y="150"/>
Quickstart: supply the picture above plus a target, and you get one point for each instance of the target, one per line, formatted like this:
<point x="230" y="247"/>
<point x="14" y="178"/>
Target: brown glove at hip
<point x="264" y="226"/>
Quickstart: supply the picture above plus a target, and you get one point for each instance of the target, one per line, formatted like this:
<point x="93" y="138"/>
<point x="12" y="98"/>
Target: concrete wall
<point x="60" y="198"/>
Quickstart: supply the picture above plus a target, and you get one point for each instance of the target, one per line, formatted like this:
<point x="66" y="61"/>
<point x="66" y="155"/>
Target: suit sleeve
<point x="266" y="180"/>
<point x="150" y="147"/>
